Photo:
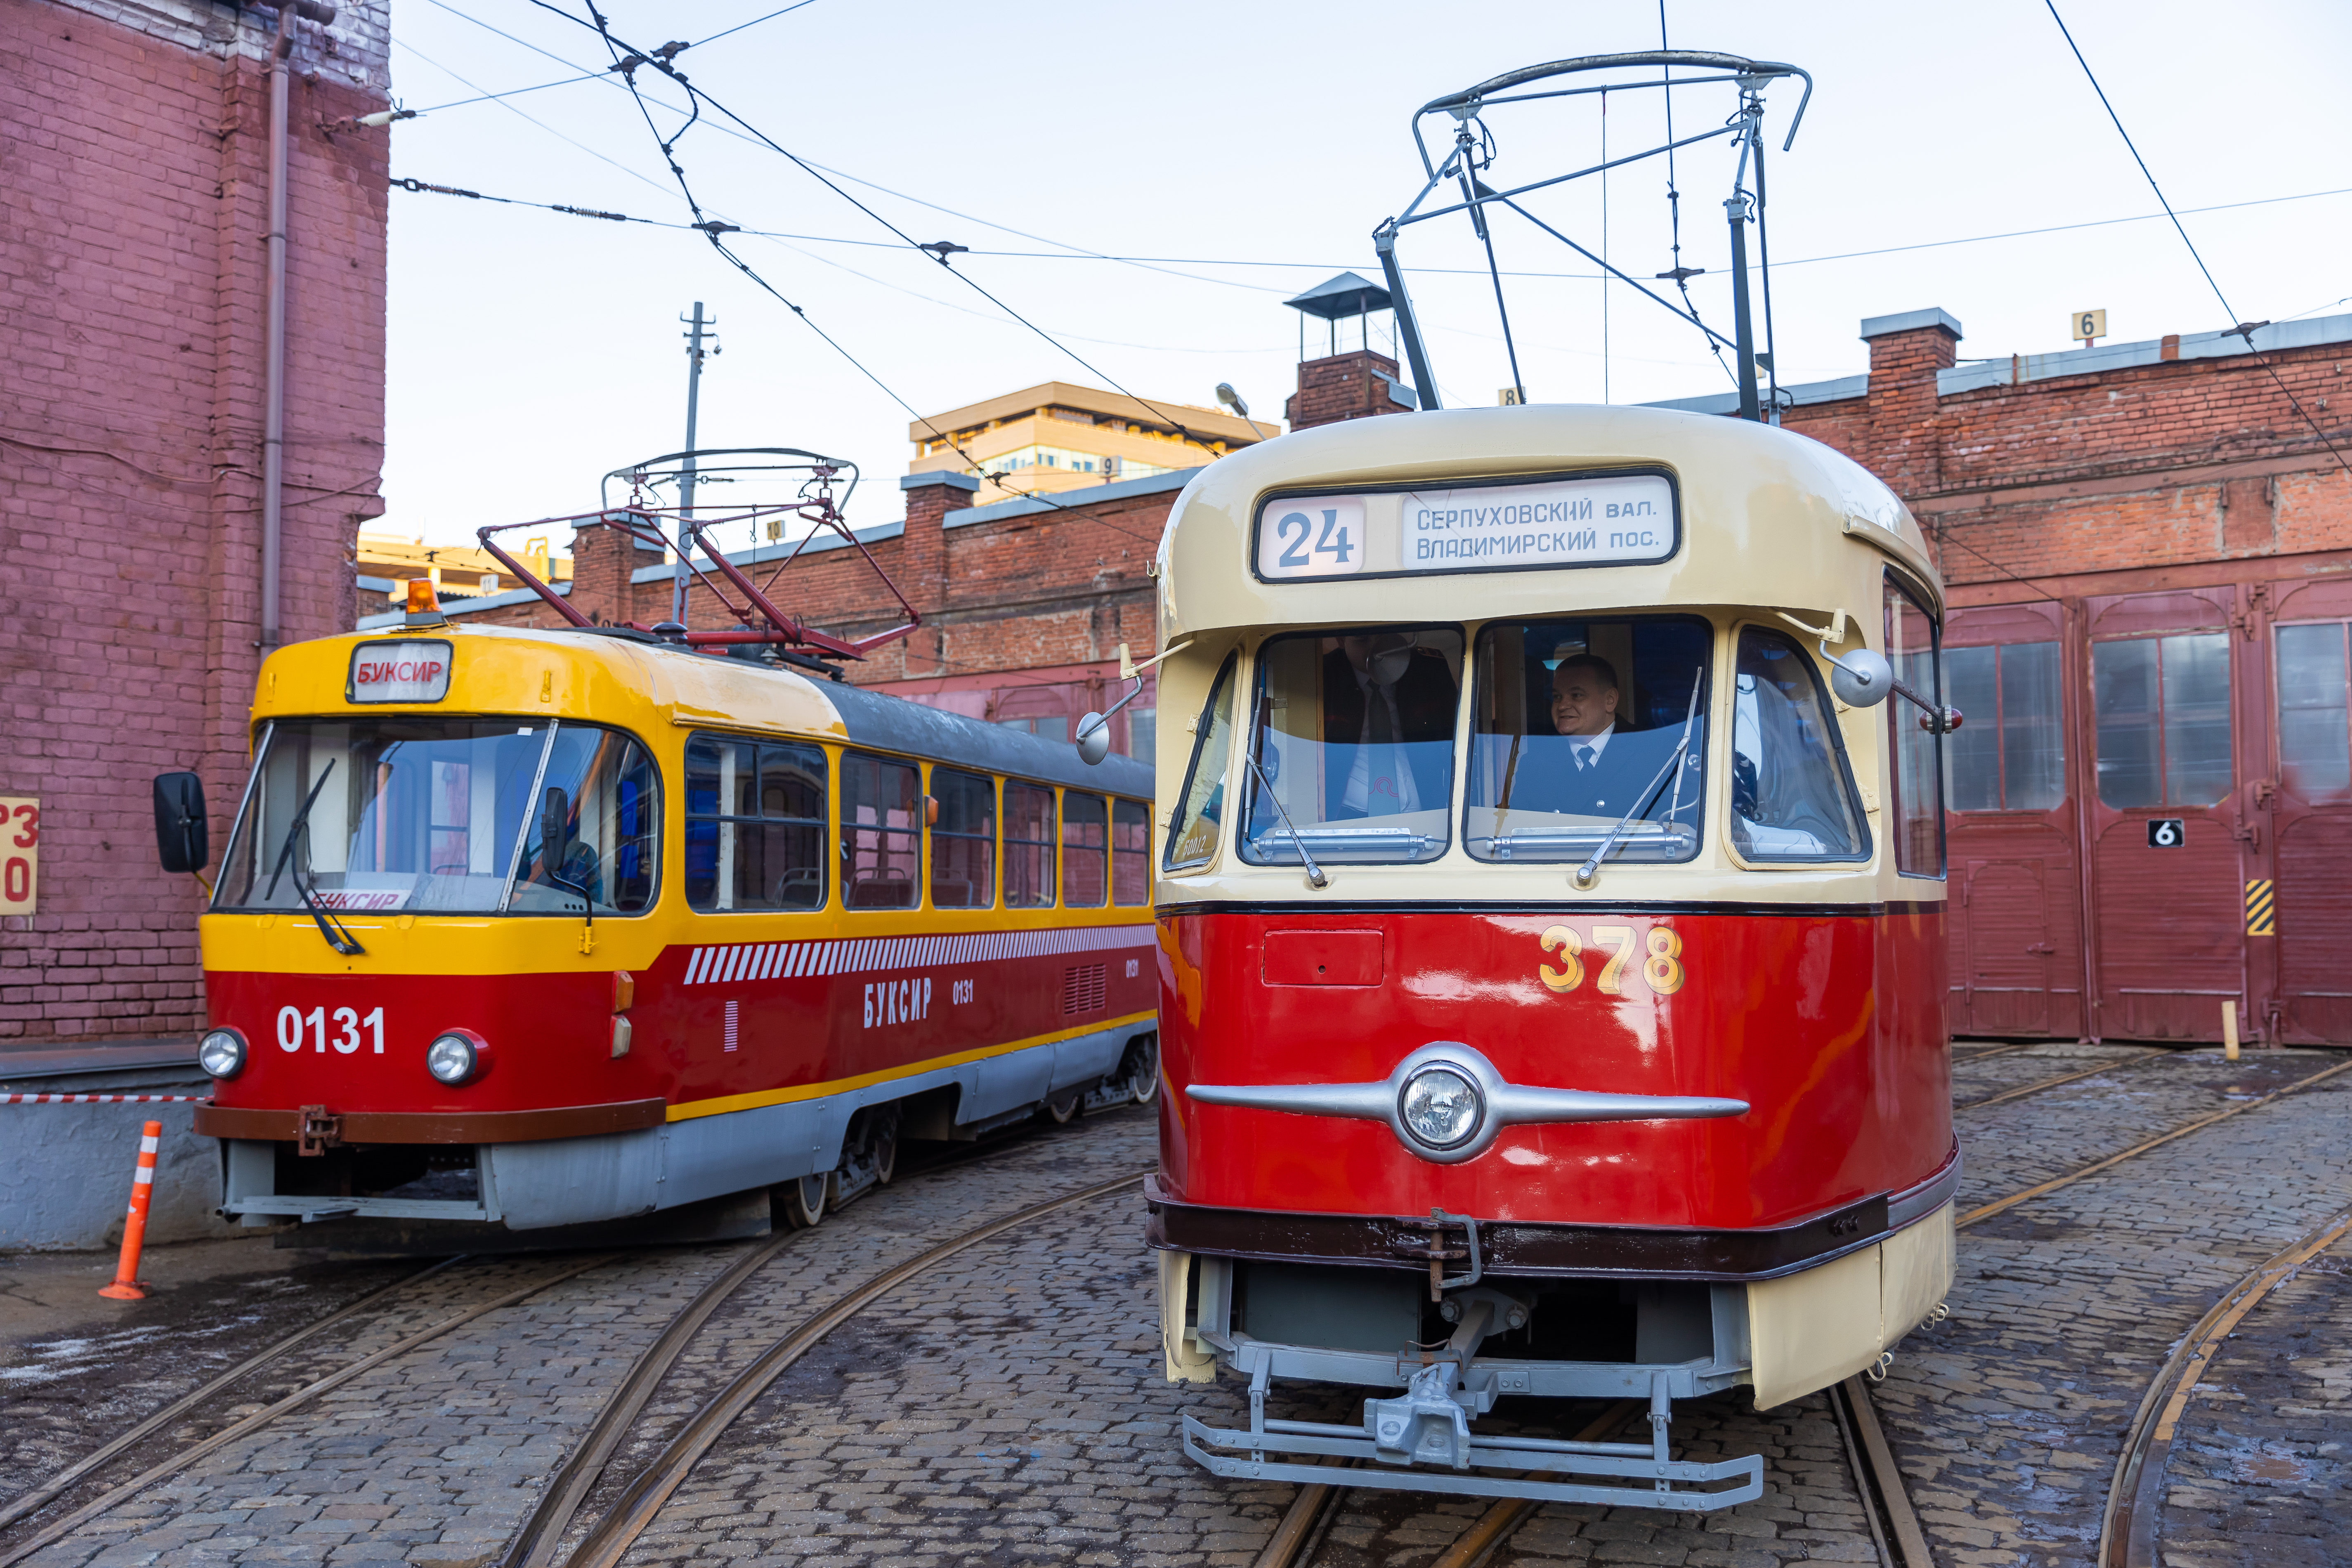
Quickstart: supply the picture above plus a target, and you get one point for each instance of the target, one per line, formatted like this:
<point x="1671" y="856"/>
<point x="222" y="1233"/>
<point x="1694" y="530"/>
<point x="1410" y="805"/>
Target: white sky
<point x="533" y="351"/>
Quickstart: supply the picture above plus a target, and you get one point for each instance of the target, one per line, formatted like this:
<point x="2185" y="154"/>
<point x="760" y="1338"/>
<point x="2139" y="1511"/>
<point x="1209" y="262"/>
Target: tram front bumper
<point x="1422" y="1441"/>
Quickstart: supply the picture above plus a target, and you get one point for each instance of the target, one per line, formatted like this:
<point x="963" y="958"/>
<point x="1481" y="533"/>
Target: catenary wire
<point x="2240" y="325"/>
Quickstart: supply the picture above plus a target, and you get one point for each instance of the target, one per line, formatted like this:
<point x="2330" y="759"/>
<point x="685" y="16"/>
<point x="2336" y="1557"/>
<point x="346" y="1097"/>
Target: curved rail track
<point x="574" y="1482"/>
<point x="1895" y="1525"/>
<point x="2135" y="1496"/>
<point x="540" y="1543"/>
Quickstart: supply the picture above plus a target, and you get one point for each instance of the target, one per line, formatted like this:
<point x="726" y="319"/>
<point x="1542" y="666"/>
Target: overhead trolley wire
<point x="2243" y="328"/>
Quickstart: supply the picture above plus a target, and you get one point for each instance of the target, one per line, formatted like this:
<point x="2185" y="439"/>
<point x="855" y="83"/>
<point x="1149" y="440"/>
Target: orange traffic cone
<point x="126" y="1286"/>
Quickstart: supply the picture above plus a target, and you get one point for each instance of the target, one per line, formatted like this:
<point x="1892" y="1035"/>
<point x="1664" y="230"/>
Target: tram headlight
<point x="457" y="1057"/>
<point x="221" y="1053"/>
<point x="1440" y="1107"/>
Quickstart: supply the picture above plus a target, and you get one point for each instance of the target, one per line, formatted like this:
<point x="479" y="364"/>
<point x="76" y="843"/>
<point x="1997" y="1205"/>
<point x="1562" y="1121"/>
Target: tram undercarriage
<point x="1461" y="1335"/>
<point x="702" y="1179"/>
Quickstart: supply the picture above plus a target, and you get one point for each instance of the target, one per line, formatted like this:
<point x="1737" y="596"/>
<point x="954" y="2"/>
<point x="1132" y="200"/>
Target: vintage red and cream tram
<point x="525" y="931"/>
<point x="1552" y="938"/>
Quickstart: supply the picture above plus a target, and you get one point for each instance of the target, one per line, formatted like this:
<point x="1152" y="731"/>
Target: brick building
<point x="133" y="308"/>
<point x="2148" y="555"/>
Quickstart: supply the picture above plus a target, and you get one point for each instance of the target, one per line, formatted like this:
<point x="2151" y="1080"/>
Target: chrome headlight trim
<point x="1502" y="1103"/>
<point x="1414" y="1127"/>
<point x="221" y="1053"/>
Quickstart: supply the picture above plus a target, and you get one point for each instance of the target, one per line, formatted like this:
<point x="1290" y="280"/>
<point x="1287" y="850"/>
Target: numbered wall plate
<point x="1618" y="517"/>
<point x="2166" y="832"/>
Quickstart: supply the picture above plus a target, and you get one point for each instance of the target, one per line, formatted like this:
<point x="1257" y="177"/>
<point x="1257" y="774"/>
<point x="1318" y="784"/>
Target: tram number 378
<point x="293" y="1024"/>
<point x="1613" y="947"/>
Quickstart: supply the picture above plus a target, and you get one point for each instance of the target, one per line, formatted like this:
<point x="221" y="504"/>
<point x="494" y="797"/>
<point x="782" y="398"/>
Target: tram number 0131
<point x="1615" y="949"/>
<point x="294" y="1026"/>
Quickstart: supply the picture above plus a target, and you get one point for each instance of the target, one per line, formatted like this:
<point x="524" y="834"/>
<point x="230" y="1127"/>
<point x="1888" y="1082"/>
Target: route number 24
<point x="1296" y="528"/>
<point x="1661" y="967"/>
<point x="293" y="1024"/>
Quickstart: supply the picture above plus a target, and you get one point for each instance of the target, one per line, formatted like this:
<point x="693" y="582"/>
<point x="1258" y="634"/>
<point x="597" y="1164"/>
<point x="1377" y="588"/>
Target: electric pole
<point x="695" y="354"/>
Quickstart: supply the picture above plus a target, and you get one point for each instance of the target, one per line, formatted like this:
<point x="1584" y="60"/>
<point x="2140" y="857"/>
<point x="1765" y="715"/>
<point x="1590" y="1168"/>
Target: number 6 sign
<point x="2166" y="833"/>
<point x="20" y="854"/>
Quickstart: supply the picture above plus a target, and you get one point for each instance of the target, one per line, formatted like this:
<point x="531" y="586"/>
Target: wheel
<point x="803" y="1202"/>
<point x="1063" y="1109"/>
<point x="885" y="1149"/>
<point x="1143" y="1070"/>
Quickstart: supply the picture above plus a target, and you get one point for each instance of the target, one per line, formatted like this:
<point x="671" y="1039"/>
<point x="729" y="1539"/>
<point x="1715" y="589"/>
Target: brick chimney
<point x="1906" y="352"/>
<point x="1353" y="385"/>
<point x="603" y="559"/>
<point x="922" y="573"/>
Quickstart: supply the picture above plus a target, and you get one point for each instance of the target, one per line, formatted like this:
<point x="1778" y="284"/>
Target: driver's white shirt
<point x="1593" y="745"/>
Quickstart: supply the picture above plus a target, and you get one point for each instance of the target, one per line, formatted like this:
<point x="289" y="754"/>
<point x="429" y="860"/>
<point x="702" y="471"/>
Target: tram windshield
<point x="446" y="817"/>
<point x="1353" y="746"/>
<point x="1580" y="725"/>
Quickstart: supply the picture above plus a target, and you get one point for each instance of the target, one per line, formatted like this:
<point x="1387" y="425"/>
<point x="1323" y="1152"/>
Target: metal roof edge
<point x="2020" y="369"/>
<point x="762" y="554"/>
<point x="1836" y="391"/>
<point x="461" y="606"/>
<point x="998" y="511"/>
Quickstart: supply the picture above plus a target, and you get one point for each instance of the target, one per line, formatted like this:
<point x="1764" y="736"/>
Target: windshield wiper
<point x="341" y="940"/>
<point x="1586" y="873"/>
<point x="1315" y="876"/>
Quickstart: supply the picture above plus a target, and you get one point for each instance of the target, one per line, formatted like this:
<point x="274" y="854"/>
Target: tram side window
<point x="2163" y="709"/>
<point x="2315" y="688"/>
<point x="1577" y="726"/>
<point x="755" y="825"/>
<point x="2011" y="755"/>
<point x="964" y="841"/>
<point x="1085" y="847"/>
<point x="1353" y="738"/>
<point x="881" y="832"/>
<point x="1792" y="792"/>
<point x="1028" y="846"/>
<point x="1130" y="852"/>
<point x="1919" y="805"/>
<point x="1200" y="812"/>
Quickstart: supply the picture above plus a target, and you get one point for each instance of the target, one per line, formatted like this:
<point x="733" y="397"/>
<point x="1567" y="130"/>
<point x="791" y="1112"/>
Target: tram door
<point x="2015" y="914"/>
<point x="2170" y="839"/>
<point x="2309" y="813"/>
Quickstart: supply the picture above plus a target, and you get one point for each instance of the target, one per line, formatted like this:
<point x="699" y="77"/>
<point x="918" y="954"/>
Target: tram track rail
<point x="641" y="1499"/>
<point x="575" y="1482"/>
<point x="1893" y="1522"/>
<point x="2039" y="1085"/>
<point x="59" y="1528"/>
<point x="2136" y="1494"/>
<point x="33" y="1499"/>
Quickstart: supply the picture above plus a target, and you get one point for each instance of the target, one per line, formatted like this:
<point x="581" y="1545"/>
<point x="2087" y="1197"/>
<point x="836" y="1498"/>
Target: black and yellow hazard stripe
<point x="2262" y="914"/>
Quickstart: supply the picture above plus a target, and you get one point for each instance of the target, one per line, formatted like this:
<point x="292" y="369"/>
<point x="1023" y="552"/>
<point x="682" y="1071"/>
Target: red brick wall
<point x="1342" y="386"/>
<point x="2178" y="461"/>
<point x="131" y="301"/>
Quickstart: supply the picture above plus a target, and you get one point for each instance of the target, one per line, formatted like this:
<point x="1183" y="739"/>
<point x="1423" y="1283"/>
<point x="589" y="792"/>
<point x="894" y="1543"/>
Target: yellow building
<point x="1057" y="437"/>
<point x="387" y="561"/>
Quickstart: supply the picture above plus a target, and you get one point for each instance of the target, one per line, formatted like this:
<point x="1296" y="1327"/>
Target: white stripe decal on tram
<point x="737" y="962"/>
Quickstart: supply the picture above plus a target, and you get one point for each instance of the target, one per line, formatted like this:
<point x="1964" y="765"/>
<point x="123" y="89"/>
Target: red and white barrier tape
<point x="105" y="1098"/>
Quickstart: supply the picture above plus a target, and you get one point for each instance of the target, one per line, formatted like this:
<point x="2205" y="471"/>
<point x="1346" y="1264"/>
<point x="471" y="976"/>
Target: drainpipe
<point x="273" y="418"/>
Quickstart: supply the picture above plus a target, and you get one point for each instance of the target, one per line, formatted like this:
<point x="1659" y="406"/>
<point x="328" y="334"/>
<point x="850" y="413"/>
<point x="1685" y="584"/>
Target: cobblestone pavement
<point x="1007" y="1407"/>
<point x="2262" y="1464"/>
<point x="2007" y="1419"/>
<point x="435" y="1458"/>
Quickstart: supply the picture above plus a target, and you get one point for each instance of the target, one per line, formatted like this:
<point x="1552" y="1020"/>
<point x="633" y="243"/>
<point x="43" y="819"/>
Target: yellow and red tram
<point x="1552" y="938"/>
<point x="522" y="931"/>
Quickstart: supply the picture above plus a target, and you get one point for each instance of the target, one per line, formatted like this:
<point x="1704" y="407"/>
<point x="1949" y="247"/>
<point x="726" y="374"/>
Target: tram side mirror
<point x="1861" y="678"/>
<point x="555" y="830"/>
<point x="181" y="842"/>
<point x="1094" y="739"/>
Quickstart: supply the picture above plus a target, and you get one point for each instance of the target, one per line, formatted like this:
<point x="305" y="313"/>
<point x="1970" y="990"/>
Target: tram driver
<point x="1382" y="706"/>
<point x="1606" y="768"/>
